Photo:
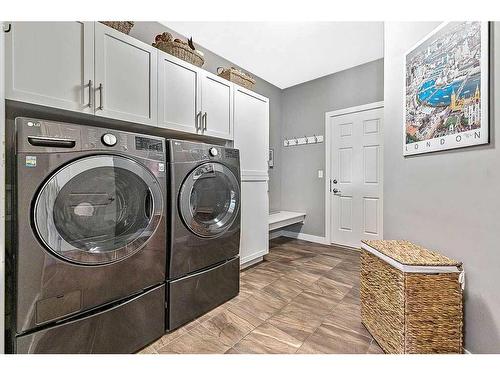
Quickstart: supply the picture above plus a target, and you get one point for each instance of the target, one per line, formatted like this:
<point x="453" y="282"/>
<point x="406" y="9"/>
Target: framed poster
<point x="446" y="89"/>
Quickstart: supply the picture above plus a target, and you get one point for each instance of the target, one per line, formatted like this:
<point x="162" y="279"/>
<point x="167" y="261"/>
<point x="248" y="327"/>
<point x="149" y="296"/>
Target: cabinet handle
<point x="205" y="121"/>
<point x="90" y="94"/>
<point x="100" y="97"/>
<point x="198" y="121"/>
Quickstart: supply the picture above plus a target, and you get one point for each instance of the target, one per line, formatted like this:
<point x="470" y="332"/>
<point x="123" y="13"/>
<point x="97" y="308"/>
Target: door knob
<point x="334" y="181"/>
<point x="336" y="191"/>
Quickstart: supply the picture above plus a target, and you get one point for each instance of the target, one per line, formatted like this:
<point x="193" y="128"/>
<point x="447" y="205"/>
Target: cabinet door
<point x="125" y="77"/>
<point x="254" y="240"/>
<point x="251" y="132"/>
<point x="217" y="105"/>
<point x="178" y="95"/>
<point x="51" y="64"/>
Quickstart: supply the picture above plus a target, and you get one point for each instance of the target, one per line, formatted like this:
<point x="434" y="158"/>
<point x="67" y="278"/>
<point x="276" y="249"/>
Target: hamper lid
<point x="408" y="253"/>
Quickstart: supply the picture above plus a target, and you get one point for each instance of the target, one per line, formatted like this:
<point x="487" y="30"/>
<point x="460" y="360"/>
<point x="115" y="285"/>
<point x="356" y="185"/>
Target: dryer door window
<point x="209" y="199"/>
<point x="98" y="209"/>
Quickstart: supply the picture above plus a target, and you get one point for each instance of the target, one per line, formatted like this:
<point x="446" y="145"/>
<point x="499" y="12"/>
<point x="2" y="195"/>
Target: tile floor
<point x="304" y="298"/>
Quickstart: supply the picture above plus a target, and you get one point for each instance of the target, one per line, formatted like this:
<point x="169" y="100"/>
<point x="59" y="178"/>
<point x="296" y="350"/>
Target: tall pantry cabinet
<point x="251" y="137"/>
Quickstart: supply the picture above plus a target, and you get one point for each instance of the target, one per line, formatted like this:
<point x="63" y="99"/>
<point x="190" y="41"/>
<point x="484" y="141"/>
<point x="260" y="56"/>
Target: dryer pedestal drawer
<point x="194" y="295"/>
<point x="124" y="328"/>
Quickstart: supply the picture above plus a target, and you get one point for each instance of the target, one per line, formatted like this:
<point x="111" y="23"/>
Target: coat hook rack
<point x="305" y="140"/>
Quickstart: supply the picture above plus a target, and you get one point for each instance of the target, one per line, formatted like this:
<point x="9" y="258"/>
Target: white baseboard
<point x="305" y="237"/>
<point x="249" y="259"/>
<point x="251" y="263"/>
<point x="275" y="234"/>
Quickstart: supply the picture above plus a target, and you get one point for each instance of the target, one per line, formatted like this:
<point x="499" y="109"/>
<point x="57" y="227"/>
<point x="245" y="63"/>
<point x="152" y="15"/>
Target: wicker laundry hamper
<point x="411" y="298"/>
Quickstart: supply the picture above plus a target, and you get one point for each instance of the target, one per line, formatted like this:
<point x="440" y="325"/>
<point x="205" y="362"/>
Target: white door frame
<point x="328" y="145"/>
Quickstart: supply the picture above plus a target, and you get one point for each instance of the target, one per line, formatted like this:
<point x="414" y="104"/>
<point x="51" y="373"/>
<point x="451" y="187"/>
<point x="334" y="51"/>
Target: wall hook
<point x="9" y="26"/>
<point x="307" y="139"/>
<point x="296" y="141"/>
<point x="315" y="138"/>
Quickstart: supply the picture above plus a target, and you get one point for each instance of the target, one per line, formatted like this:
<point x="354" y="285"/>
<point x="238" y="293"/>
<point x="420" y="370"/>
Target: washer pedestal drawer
<point x="196" y="294"/>
<point x="123" y="328"/>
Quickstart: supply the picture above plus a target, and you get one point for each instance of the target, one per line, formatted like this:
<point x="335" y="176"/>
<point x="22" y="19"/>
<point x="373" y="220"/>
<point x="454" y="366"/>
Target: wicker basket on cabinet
<point x="179" y="49"/>
<point x="411" y="298"/>
<point x="236" y="76"/>
<point x="123" y="26"/>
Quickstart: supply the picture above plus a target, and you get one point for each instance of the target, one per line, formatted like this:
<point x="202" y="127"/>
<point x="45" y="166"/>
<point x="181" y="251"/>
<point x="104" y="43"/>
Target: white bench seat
<point x="282" y="219"/>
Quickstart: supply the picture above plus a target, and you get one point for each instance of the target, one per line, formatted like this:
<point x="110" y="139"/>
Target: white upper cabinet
<point x="91" y="68"/>
<point x="178" y="95"/>
<point x="51" y="64"/>
<point x="217" y="105"/>
<point x="125" y="77"/>
<point x="193" y="100"/>
<point x="251" y="132"/>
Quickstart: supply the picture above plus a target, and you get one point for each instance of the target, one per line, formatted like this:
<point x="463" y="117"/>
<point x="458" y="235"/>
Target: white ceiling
<point x="288" y="53"/>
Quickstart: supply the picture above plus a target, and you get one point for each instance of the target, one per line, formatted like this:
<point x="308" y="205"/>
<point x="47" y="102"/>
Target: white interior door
<point x="356" y="184"/>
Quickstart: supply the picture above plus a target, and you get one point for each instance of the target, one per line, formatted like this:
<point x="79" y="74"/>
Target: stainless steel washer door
<point x="98" y="209"/>
<point x="209" y="199"/>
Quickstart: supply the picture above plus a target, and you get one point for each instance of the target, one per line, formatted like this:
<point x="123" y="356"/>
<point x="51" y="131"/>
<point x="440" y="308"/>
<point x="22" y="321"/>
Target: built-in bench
<point x="283" y="219"/>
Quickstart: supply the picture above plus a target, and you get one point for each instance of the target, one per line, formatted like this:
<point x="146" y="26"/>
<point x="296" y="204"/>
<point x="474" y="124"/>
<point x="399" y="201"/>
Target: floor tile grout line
<point x="322" y="321"/>
<point x="265" y="320"/>
<point x="279" y="310"/>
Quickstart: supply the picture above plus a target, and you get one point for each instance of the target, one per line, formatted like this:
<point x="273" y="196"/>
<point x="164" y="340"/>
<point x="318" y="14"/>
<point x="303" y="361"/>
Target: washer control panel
<point x="213" y="151"/>
<point x="109" y="139"/>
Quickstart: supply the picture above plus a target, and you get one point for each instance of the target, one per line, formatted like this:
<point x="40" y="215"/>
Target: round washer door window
<point x="98" y="209"/>
<point x="209" y="199"/>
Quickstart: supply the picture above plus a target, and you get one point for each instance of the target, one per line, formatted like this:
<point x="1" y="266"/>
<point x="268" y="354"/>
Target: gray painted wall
<point x="448" y="201"/>
<point x="146" y="31"/>
<point x="304" y="108"/>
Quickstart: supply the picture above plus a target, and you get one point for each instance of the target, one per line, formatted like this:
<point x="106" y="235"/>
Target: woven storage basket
<point x="411" y="298"/>
<point x="181" y="51"/>
<point x="123" y="26"/>
<point x="236" y="76"/>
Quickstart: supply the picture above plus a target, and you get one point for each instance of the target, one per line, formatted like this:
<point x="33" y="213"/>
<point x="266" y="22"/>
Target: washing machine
<point x="89" y="245"/>
<point x="205" y="200"/>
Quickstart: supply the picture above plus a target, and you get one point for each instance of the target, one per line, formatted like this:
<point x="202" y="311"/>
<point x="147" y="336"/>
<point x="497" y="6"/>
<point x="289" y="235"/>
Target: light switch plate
<point x="320" y="173"/>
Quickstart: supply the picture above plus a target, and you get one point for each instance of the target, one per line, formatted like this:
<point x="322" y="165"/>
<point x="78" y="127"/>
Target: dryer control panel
<point x="185" y="151"/>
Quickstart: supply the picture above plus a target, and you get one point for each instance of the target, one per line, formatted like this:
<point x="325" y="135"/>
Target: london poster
<point x="446" y="89"/>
